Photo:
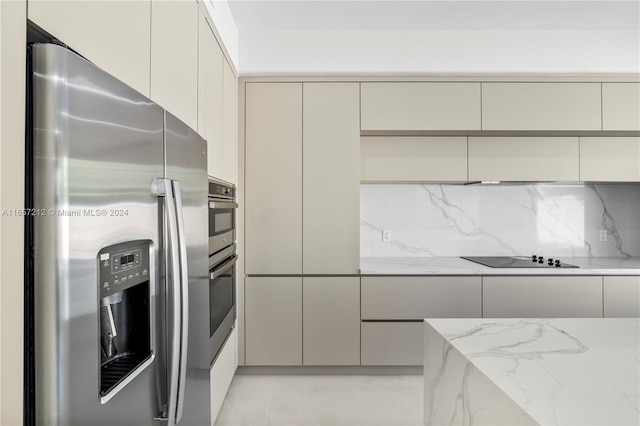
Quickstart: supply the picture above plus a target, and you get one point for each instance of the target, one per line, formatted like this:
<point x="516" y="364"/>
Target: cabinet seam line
<point x="601" y="106"/>
<point x="481" y="297"/>
<point x="244" y="221"/>
<point x="579" y="158"/>
<point x="302" y="86"/>
<point x="150" y="44"/>
<point x="481" y="88"/>
<point x="467" y="157"/>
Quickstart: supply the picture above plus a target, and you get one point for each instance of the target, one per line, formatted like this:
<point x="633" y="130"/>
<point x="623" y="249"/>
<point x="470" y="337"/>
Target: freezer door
<point x="186" y="164"/>
<point x="98" y="145"/>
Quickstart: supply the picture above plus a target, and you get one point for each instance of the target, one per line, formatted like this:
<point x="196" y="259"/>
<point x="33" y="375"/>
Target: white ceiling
<point x="427" y="37"/>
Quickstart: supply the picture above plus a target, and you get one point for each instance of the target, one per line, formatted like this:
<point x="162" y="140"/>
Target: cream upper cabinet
<point x="610" y="159"/>
<point x="273" y="186"/>
<point x="174" y="58"/>
<point x="331" y="183"/>
<point x="210" y="95"/>
<point x="230" y="126"/>
<point x="620" y="106"/>
<point x="524" y="158"/>
<point x="420" y="106"/>
<point x="541" y="106"/>
<point x="114" y="35"/>
<point x="413" y="159"/>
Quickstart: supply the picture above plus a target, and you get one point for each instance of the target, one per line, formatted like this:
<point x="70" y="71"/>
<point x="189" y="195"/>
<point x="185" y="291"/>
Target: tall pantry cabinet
<point x="302" y="214"/>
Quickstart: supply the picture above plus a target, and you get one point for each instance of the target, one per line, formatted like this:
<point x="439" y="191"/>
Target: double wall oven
<point x="222" y="262"/>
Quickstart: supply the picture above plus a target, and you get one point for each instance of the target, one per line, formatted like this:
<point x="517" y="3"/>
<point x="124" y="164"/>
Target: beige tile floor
<point x="323" y="400"/>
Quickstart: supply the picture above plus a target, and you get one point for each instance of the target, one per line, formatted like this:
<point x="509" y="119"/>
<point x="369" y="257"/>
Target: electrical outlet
<point x="602" y="235"/>
<point x="386" y="235"/>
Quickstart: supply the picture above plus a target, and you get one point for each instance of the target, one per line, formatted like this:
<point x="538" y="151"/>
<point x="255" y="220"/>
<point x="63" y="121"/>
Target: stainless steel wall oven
<point x="222" y="261"/>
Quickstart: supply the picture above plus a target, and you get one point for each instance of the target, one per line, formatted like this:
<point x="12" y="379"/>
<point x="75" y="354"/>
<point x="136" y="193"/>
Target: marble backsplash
<point x="500" y="220"/>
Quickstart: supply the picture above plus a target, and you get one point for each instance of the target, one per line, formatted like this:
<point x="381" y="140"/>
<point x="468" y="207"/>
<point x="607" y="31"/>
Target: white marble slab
<point x="458" y="266"/>
<point x="532" y="371"/>
<point x="553" y="220"/>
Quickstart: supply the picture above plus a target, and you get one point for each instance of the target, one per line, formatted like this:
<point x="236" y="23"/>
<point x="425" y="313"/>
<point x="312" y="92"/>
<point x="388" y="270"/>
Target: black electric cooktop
<point x="518" y="262"/>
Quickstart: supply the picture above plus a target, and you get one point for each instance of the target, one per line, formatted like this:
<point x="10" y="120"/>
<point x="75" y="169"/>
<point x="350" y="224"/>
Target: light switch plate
<point x="386" y="235"/>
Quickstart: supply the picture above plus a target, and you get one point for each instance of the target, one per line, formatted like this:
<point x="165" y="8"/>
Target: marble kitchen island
<point x="532" y="371"/>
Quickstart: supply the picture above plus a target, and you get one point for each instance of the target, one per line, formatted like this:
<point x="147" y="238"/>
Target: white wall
<point x="419" y="52"/>
<point x="225" y="26"/>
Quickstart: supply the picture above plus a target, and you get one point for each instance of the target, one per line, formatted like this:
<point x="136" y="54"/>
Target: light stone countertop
<point x="458" y="266"/>
<point x="532" y="371"/>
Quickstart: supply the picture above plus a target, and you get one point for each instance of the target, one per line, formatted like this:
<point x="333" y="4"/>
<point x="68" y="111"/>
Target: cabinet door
<point x="331" y="180"/>
<point x="416" y="298"/>
<point x="620" y="106"/>
<point x="174" y="58"/>
<point x="413" y="159"/>
<point x="230" y="126"/>
<point x="621" y="297"/>
<point x="542" y="297"/>
<point x="273" y="329"/>
<point x="420" y="106"/>
<point x="610" y="159"/>
<point x="222" y="372"/>
<point x="210" y="96"/>
<point x="392" y="343"/>
<point x="524" y="158"/>
<point x="273" y="155"/>
<point x="541" y="106"/>
<point x="114" y="35"/>
<point x="331" y="320"/>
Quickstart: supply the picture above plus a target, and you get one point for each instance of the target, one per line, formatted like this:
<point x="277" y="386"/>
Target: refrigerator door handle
<point x="164" y="188"/>
<point x="184" y="280"/>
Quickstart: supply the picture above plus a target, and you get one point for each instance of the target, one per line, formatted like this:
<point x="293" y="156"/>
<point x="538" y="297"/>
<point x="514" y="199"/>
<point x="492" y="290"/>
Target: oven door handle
<point x="222" y="205"/>
<point x="220" y="269"/>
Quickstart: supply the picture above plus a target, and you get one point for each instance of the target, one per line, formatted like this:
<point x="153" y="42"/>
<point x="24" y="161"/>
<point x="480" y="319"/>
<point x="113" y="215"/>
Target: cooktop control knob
<point x="534" y="258"/>
<point x="550" y="262"/>
<point x="541" y="259"/>
<point x="558" y="265"/>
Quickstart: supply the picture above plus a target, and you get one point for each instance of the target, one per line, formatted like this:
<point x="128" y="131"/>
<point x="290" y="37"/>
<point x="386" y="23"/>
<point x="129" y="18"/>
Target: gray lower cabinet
<point x="621" y="297"/>
<point x="392" y="343"/>
<point x="392" y="310"/>
<point x="331" y="320"/>
<point x="416" y="298"/>
<point x="542" y="297"/>
<point x="273" y="320"/>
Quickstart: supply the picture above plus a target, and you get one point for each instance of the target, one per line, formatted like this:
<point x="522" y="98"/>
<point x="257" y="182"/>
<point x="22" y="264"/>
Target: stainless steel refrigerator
<point x="117" y="260"/>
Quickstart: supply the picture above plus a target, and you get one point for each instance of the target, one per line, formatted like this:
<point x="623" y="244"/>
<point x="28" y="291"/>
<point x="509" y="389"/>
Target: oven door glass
<point x="221" y="221"/>
<point x="222" y="295"/>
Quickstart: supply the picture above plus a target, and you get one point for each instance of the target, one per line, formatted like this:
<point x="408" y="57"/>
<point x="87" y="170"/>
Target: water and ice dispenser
<point x="124" y="277"/>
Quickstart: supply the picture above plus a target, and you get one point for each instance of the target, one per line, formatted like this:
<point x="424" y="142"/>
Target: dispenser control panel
<point x="123" y="265"/>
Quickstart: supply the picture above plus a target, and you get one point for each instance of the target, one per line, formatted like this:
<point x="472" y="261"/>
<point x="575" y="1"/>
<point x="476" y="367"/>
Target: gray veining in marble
<point x="558" y="220"/>
<point x="532" y="371"/>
